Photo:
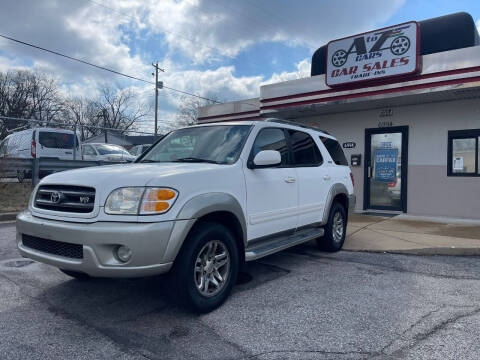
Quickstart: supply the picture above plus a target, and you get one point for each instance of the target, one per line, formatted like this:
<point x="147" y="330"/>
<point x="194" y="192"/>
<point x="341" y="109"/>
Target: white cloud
<point x="226" y="28"/>
<point x="203" y="31"/>
<point x="478" y="25"/>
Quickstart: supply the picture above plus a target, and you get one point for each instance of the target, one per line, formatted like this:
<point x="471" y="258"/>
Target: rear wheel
<point x="335" y="229"/>
<point x="206" y="268"/>
<point x="21" y="176"/>
<point x="76" y="275"/>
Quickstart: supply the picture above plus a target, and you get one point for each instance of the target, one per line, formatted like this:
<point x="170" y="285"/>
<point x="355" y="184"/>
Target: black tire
<point x="332" y="241"/>
<point x="184" y="276"/>
<point x="21" y="176"/>
<point x="76" y="275"/>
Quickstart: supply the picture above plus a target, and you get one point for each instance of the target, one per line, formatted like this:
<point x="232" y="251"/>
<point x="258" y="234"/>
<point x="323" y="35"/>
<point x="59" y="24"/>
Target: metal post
<point x="75" y="142"/>
<point x="156" y="98"/>
<point x="105" y="125"/>
<point x="35" y="171"/>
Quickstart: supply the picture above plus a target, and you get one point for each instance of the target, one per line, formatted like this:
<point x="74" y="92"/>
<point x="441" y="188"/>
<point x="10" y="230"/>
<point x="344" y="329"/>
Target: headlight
<point x="140" y="201"/>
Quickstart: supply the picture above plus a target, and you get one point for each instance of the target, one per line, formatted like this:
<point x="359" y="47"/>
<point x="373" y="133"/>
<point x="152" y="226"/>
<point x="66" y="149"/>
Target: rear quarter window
<point x="335" y="151"/>
<point x="55" y="140"/>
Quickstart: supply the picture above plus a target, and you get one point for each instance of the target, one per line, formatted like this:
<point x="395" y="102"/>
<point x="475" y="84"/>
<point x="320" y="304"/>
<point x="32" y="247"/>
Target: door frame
<point x="367" y="163"/>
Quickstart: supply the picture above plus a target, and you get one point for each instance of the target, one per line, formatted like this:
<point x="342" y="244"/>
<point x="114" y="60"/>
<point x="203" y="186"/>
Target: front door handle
<point x="289" y="179"/>
<point x="326" y="177"/>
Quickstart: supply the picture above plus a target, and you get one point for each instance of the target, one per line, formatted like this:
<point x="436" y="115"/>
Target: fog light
<point x="124" y="253"/>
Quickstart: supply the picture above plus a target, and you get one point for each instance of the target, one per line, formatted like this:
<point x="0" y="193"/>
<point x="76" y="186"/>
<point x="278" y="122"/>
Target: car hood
<point x="109" y="177"/>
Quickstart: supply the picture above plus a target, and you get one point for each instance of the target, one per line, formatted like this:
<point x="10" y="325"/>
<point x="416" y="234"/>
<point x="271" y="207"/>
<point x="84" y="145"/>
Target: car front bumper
<point x="100" y="240"/>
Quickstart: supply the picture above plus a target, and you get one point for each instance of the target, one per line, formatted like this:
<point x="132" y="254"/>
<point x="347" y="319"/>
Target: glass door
<point x="386" y="168"/>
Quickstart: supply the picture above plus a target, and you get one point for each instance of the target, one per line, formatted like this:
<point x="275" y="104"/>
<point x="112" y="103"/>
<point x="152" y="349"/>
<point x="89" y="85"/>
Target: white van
<point x="40" y="143"/>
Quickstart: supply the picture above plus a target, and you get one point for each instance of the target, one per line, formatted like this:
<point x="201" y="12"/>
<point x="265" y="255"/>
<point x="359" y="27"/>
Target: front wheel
<point x="206" y="268"/>
<point x="335" y="230"/>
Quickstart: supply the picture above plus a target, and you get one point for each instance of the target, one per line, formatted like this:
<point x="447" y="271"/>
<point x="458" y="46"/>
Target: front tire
<point x="335" y="230"/>
<point x="206" y="267"/>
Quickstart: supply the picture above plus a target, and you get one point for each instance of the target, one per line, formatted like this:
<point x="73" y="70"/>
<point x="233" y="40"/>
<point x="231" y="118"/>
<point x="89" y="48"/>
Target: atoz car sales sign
<point x="392" y="51"/>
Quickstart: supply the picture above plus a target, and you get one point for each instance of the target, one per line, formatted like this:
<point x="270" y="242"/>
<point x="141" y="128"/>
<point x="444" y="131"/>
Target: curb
<point x="446" y="251"/>
<point x="10" y="216"/>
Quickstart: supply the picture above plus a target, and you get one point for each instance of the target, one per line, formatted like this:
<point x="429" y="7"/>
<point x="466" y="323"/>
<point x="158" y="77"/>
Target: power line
<point x="46" y="122"/>
<point x="103" y="68"/>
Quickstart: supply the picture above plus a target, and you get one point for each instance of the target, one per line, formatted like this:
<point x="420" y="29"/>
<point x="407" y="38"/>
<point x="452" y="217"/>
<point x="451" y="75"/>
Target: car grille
<point x="65" y="198"/>
<point x="74" y="251"/>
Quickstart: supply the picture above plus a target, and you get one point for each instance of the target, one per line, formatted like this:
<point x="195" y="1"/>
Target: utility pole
<point x="157" y="86"/>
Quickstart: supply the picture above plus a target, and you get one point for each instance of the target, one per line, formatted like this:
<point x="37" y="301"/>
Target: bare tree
<point x="119" y="108"/>
<point x="33" y="95"/>
<point x="188" y="110"/>
<point x="83" y="113"/>
<point x="30" y="95"/>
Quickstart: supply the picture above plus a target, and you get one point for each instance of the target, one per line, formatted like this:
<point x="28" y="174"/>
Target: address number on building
<point x="349" y="145"/>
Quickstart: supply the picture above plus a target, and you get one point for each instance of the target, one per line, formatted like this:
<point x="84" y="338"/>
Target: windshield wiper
<point x="194" y="159"/>
<point x="148" y="161"/>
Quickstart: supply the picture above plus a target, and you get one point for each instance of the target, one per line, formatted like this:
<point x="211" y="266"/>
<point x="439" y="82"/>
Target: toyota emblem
<point x="56" y="197"/>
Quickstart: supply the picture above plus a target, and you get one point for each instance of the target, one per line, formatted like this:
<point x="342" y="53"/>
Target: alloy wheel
<point x="212" y="268"/>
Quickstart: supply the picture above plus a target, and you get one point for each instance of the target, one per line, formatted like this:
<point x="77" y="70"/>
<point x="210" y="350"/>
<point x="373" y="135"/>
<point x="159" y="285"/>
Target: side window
<point x="305" y="151"/>
<point x="134" y="150"/>
<point x="335" y="151"/>
<point x="88" y="150"/>
<point x="463" y="153"/>
<point x="271" y="139"/>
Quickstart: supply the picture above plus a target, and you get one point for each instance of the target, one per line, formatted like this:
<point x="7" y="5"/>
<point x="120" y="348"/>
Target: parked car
<point x="198" y="204"/>
<point x="106" y="152"/>
<point x="138" y="150"/>
<point x="40" y="143"/>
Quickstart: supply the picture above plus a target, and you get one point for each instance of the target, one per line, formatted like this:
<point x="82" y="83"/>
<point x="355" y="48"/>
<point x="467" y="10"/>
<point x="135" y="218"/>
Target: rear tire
<point x="206" y="268"/>
<point x="335" y="230"/>
<point x="21" y="176"/>
<point x="76" y="275"/>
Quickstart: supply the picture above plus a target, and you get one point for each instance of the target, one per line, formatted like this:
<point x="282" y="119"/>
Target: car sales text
<point x="373" y="68"/>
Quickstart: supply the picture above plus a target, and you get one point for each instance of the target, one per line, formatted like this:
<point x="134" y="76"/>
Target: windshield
<point x="220" y="144"/>
<point x="110" y="149"/>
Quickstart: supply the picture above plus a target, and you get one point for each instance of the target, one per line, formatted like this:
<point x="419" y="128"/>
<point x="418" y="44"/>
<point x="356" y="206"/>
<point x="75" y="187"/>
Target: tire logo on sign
<point x="399" y="46"/>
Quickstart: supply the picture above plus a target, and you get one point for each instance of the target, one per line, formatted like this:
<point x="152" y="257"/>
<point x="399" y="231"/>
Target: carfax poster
<point x="386" y="164"/>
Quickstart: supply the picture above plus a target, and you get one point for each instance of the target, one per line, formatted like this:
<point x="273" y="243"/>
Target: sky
<point x="224" y="49"/>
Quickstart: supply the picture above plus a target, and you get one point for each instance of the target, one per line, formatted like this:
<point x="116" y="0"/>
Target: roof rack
<point x="287" y="122"/>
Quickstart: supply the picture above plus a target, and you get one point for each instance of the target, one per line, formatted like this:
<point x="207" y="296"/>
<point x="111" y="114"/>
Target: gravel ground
<point x="298" y="304"/>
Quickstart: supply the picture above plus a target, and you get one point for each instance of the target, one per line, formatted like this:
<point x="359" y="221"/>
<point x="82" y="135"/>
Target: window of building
<point x="305" y="151"/>
<point x="335" y="151"/>
<point x="271" y="139"/>
<point x="463" y="153"/>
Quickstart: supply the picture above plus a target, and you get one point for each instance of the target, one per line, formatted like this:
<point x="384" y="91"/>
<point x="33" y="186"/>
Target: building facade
<point x="412" y="138"/>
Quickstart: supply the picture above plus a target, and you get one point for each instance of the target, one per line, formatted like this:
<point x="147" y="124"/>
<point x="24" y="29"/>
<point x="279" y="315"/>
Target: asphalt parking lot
<point x="299" y="304"/>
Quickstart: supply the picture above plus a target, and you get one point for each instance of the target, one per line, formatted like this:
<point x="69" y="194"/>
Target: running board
<point x="270" y="246"/>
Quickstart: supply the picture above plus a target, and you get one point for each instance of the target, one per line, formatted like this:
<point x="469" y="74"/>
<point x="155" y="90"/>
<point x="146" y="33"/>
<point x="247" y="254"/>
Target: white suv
<point x="199" y="203"/>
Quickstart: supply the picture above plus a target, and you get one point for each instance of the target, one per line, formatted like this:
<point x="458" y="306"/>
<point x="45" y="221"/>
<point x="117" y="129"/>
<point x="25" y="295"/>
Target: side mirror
<point x="267" y="158"/>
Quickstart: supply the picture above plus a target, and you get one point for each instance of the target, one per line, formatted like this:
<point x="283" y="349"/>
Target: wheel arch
<point x="215" y="207"/>
<point x="338" y="192"/>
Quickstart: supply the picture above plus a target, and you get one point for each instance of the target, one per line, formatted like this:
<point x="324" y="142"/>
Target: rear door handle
<point x="326" y="177"/>
<point x="289" y="179"/>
